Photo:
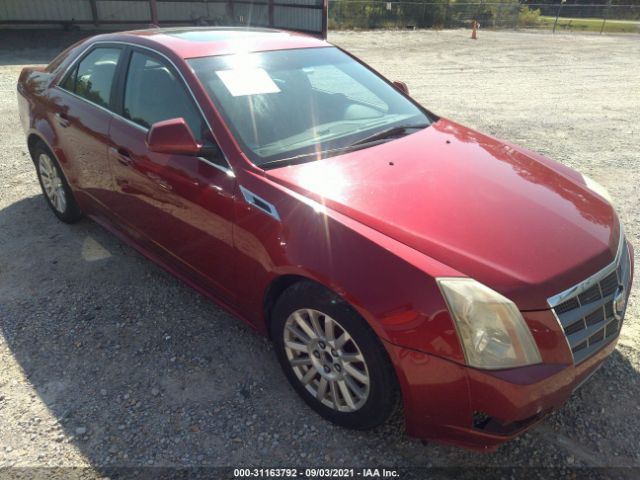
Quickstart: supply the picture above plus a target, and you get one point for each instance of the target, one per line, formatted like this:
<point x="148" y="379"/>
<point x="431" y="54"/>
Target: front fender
<point x="391" y="285"/>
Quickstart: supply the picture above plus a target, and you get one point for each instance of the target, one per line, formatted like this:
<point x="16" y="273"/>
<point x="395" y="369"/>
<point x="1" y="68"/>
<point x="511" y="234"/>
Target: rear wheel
<point x="332" y="358"/>
<point x="54" y="186"/>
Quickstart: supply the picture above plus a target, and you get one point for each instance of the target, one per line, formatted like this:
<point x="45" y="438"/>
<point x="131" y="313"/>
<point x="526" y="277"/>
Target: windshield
<point x="303" y="104"/>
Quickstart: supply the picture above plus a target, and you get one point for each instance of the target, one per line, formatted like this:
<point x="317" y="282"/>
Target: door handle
<point x="122" y="155"/>
<point x="63" y="119"/>
<point x="160" y="181"/>
<point x="164" y="185"/>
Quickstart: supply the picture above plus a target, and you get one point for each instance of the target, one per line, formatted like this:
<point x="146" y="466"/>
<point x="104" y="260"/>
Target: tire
<point x="371" y="403"/>
<point x="54" y="185"/>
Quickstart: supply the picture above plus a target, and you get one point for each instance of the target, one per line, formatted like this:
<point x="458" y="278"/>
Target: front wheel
<point x="332" y="358"/>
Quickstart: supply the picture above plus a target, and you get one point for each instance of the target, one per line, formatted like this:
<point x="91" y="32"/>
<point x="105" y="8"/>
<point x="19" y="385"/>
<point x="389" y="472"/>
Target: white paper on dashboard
<point x="247" y="81"/>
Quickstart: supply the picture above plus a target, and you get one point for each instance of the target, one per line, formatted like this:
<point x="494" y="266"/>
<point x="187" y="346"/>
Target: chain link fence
<point x="302" y="15"/>
<point x="371" y="14"/>
<point x="600" y="16"/>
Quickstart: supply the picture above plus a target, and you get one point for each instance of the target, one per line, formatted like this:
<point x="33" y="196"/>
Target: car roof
<point x="193" y="42"/>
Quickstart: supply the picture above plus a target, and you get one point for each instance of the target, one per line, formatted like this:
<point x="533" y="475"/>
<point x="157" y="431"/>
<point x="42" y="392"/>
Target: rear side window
<point x="153" y="93"/>
<point x="92" y="78"/>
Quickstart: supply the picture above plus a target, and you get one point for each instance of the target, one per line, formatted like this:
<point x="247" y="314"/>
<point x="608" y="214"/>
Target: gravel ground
<point x="106" y="360"/>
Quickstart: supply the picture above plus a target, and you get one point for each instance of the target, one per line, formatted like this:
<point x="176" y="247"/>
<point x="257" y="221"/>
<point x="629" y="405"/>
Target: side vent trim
<point x="260" y="203"/>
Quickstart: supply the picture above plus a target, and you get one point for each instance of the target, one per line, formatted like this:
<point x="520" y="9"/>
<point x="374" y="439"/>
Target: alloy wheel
<point x="326" y="360"/>
<point x="52" y="183"/>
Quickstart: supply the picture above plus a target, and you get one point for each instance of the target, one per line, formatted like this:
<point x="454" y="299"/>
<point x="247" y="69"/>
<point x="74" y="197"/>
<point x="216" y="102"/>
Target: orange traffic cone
<point x="474" y="31"/>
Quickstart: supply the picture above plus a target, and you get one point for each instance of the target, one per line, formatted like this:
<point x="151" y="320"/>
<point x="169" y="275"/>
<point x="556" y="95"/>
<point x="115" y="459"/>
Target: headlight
<point x="597" y="188"/>
<point x="491" y="329"/>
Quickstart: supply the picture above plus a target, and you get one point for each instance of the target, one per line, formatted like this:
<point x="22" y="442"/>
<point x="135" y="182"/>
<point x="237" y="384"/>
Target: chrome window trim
<point x="87" y="101"/>
<point x="71" y="65"/>
<point x="75" y="61"/>
<point x="114" y="114"/>
<point x="228" y="169"/>
<point x="249" y="197"/>
<point x="590" y="281"/>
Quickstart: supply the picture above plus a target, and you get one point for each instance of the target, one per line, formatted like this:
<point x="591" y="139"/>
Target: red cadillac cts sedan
<point x="391" y="255"/>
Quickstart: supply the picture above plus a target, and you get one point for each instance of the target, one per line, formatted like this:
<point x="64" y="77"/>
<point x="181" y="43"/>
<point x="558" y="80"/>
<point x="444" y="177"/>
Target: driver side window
<point x="153" y="93"/>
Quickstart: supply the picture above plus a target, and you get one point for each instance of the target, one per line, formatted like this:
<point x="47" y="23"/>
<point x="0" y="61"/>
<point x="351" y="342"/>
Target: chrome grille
<point x="586" y="311"/>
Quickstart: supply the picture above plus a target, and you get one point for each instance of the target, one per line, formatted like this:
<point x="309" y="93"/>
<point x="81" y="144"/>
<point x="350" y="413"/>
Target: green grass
<point x="591" y="25"/>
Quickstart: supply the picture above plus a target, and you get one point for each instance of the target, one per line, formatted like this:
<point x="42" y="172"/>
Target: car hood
<point x="517" y="222"/>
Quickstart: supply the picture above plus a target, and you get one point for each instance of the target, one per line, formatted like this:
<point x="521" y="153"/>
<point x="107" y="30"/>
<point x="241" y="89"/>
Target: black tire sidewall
<point x="72" y="212"/>
<point x="383" y="389"/>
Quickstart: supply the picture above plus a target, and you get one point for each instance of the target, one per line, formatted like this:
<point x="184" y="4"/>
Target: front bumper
<point x="481" y="409"/>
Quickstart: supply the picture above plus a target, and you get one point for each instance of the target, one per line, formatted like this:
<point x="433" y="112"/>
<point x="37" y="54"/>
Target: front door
<point x="181" y="204"/>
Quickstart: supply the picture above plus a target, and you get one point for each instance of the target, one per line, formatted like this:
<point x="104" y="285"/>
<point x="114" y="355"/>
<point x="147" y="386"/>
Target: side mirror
<point x="401" y="86"/>
<point x="172" y="136"/>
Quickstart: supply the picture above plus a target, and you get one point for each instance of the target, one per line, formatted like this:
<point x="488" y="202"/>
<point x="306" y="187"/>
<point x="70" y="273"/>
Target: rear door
<point x="83" y="105"/>
<point x="181" y="204"/>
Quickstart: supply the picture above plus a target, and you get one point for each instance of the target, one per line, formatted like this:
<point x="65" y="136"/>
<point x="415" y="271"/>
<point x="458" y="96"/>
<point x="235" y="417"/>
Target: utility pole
<point x="604" y="17"/>
<point x="153" y="8"/>
<point x="271" y="12"/>
<point x="558" y="14"/>
<point x="94" y="13"/>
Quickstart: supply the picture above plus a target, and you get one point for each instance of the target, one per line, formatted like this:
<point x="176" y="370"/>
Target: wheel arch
<point x="274" y="290"/>
<point x="283" y="282"/>
<point x="36" y="136"/>
<point x="33" y="139"/>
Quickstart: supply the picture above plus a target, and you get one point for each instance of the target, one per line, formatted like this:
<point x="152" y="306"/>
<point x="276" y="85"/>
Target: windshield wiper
<point x="376" y="137"/>
<point x="389" y="132"/>
<point x="302" y="158"/>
